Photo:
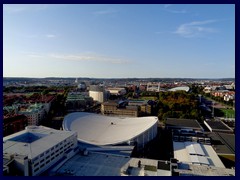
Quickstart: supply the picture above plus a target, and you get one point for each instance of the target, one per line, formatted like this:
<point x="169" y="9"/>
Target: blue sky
<point x="119" y="41"/>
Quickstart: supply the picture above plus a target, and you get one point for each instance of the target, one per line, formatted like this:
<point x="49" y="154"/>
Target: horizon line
<point x="126" y="77"/>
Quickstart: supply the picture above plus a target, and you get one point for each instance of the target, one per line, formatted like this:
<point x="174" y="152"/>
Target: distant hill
<point x="129" y="79"/>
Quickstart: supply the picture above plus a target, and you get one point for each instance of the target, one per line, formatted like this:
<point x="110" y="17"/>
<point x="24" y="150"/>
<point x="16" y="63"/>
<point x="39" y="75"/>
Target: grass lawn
<point x="229" y="113"/>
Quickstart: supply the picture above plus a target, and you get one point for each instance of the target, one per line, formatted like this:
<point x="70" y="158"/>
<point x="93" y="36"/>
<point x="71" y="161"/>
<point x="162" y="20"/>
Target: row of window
<point x="48" y="160"/>
<point x="47" y="153"/>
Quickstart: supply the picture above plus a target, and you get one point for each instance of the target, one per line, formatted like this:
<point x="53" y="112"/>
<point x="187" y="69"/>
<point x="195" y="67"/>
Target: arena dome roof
<point x="106" y="130"/>
<point x="181" y="88"/>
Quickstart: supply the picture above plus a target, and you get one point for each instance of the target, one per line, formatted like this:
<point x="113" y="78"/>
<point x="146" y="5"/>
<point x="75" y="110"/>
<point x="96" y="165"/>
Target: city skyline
<point x="119" y="41"/>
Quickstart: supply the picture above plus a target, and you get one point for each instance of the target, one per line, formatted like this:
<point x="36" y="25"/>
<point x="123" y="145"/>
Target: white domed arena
<point x="100" y="130"/>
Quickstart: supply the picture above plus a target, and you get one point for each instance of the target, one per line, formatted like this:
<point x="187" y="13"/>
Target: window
<point x="36" y="164"/>
<point x="35" y="170"/>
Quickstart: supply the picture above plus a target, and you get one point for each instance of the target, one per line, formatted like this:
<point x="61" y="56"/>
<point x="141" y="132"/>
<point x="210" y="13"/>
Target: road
<point x="217" y="104"/>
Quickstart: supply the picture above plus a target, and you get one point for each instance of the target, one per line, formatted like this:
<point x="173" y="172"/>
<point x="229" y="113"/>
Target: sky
<point x="119" y="41"/>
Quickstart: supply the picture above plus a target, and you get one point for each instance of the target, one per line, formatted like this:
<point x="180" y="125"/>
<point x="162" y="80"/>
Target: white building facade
<point x="40" y="147"/>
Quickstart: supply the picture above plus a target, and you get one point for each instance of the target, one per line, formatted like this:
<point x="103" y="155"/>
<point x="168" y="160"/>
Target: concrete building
<point x="116" y="91"/>
<point x="98" y="93"/>
<point x="145" y="108"/>
<point x="102" y="164"/>
<point x="224" y="145"/>
<point x="186" y="169"/>
<point x="78" y="102"/>
<point x="217" y="126"/>
<point x="155" y="87"/>
<point x="173" y="123"/>
<point x="35" y="149"/>
<point x="182" y="135"/>
<point x="102" y="130"/>
<point x="34" y="113"/>
<point x="112" y="108"/>
<point x="196" y="153"/>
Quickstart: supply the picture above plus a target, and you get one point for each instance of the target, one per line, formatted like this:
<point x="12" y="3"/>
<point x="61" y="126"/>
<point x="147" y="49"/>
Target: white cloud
<point x="78" y="57"/>
<point x="50" y="36"/>
<point x="103" y="12"/>
<point x="35" y="56"/>
<point x="195" y="29"/>
<point x="96" y="58"/>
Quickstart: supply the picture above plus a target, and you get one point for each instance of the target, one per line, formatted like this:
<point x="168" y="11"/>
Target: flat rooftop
<point x="223" y="143"/>
<point x="196" y="170"/>
<point x="106" y="130"/>
<point x="218" y="125"/>
<point x="183" y="123"/>
<point x="33" y="141"/>
<point x="101" y="164"/>
<point x="196" y="153"/>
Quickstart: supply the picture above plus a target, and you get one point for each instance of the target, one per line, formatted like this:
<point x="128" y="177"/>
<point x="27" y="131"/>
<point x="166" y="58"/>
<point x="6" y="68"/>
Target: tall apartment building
<point x="34" y="113"/>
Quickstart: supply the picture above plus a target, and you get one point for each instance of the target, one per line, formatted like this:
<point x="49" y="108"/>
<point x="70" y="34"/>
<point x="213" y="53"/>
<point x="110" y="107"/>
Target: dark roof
<point x="14" y="118"/>
<point x="222" y="143"/>
<point x="163" y="165"/>
<point x="183" y="123"/>
<point x="218" y="125"/>
<point x="228" y="139"/>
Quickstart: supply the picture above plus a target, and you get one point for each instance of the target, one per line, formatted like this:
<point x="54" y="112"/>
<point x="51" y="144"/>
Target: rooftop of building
<point x="72" y="96"/>
<point x="106" y="130"/>
<point x="223" y="143"/>
<point x="185" y="169"/>
<point x="33" y="141"/>
<point x="102" y="164"/>
<point x="180" y="88"/>
<point x="32" y="108"/>
<point x="218" y="125"/>
<point x="183" y="123"/>
<point x="195" y="153"/>
<point x="110" y="103"/>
